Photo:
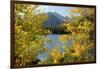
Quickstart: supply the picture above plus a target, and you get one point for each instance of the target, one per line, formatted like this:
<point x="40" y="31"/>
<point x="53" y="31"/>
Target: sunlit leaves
<point x="28" y="28"/>
<point x="30" y="36"/>
<point x="79" y="50"/>
<point x="56" y="55"/>
<point x="81" y="27"/>
<point x="64" y="38"/>
<point x="88" y="26"/>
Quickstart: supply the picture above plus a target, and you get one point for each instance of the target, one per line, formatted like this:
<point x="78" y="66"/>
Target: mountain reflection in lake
<point x="55" y="42"/>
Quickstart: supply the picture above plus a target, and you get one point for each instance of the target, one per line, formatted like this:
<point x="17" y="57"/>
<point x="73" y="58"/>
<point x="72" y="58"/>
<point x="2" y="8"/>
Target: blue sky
<point x="63" y="10"/>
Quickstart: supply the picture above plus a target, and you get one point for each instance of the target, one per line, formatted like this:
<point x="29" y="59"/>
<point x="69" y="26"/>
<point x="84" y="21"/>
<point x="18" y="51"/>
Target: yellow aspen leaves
<point x="79" y="26"/>
<point x="79" y="50"/>
<point x="76" y="10"/>
<point x="28" y="24"/>
<point x="56" y="55"/>
<point x="63" y="38"/>
<point x="31" y="36"/>
<point x="17" y="28"/>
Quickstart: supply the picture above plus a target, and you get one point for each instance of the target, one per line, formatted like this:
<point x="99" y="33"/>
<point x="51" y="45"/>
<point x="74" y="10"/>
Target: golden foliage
<point x="56" y="55"/>
<point x="80" y="50"/>
<point x="28" y="30"/>
<point x="63" y="38"/>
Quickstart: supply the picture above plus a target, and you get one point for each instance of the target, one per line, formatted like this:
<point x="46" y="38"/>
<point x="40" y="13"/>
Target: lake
<point x="55" y="42"/>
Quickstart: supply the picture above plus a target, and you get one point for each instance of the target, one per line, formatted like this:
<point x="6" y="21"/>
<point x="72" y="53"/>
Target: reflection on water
<point x="42" y="56"/>
<point x="55" y="42"/>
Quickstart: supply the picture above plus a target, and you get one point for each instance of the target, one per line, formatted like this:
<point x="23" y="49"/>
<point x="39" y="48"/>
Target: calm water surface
<point x="55" y="42"/>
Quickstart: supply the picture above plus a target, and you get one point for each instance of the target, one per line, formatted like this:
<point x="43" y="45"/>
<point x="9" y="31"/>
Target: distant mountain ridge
<point x="55" y="22"/>
<point x="54" y="19"/>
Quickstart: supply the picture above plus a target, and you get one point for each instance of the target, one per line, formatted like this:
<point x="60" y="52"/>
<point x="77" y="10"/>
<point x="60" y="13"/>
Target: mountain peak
<point x="54" y="19"/>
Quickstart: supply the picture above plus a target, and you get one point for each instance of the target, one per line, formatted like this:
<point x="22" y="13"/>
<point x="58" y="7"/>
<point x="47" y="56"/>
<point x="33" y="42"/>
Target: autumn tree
<point x="82" y="33"/>
<point x="29" y="29"/>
